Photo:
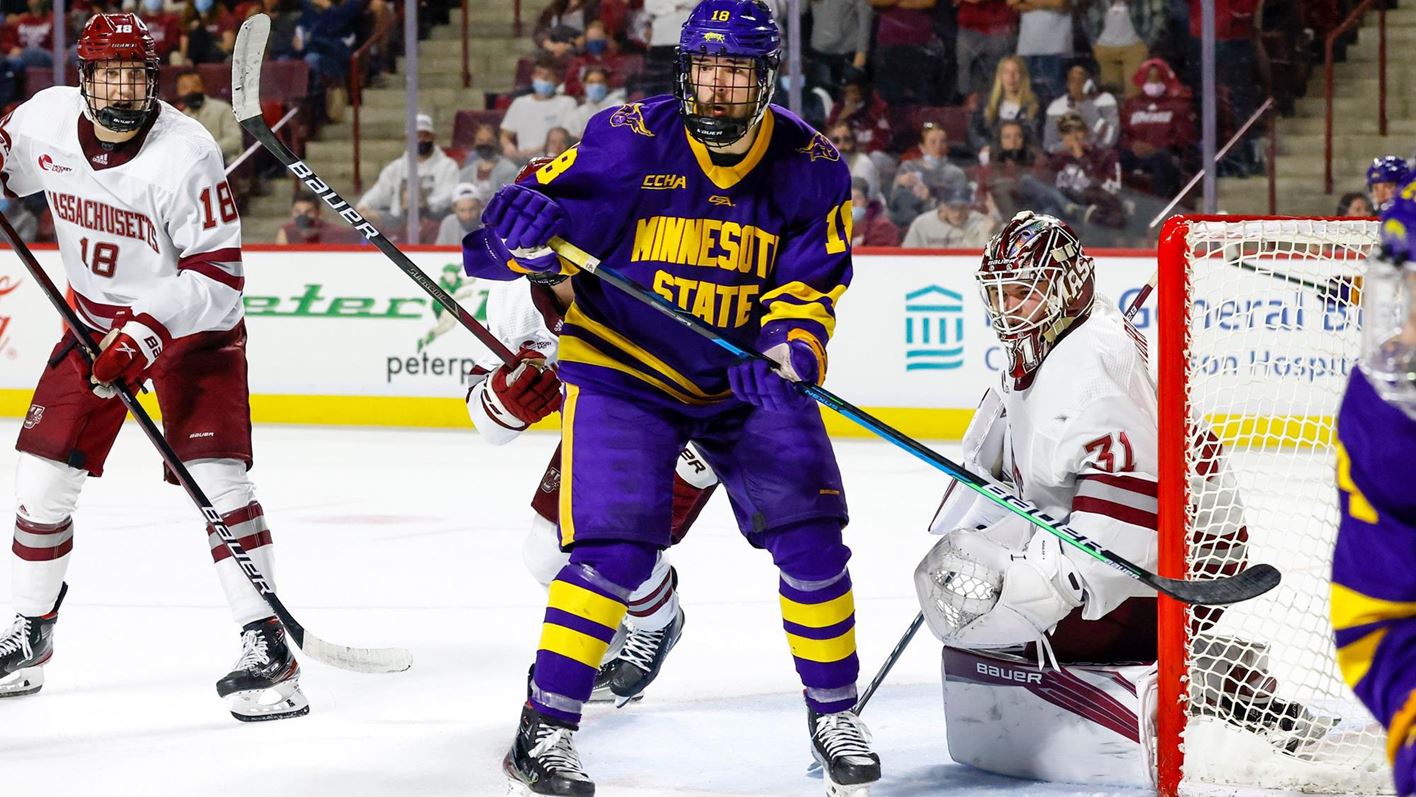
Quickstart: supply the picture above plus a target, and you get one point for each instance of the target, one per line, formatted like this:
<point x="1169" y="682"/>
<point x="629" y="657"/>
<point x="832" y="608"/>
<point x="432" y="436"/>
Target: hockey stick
<point x="1242" y="586"/>
<point x="342" y="656"/>
<point x="246" y="60"/>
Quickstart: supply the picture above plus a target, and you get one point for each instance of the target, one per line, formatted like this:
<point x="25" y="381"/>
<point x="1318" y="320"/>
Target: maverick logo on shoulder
<point x="934" y="329"/>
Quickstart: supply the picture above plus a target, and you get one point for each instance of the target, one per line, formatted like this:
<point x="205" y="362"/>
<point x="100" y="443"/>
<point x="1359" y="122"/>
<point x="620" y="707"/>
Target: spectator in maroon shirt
<point x="1086" y="182"/>
<point x="26" y="40"/>
<point x="871" y="225"/>
<point x="1158" y="128"/>
<point x="988" y="32"/>
<point x="907" y="53"/>
<point x="599" y="51"/>
<point x="1234" y="61"/>
<point x="1011" y="157"/>
<point x="166" y="29"/>
<point x="864" y="113"/>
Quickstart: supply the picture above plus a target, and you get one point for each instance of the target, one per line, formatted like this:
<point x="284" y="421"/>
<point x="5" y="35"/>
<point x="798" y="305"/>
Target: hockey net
<point x="1259" y="329"/>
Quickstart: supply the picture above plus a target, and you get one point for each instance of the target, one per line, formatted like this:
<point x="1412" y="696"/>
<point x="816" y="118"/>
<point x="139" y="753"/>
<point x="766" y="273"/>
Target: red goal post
<point x="1258" y="326"/>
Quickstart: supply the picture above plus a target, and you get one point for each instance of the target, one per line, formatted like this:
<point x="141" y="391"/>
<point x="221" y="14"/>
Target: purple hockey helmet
<point x="736" y="29"/>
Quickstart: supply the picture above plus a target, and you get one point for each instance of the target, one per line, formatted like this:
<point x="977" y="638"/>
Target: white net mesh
<point x="1272" y="335"/>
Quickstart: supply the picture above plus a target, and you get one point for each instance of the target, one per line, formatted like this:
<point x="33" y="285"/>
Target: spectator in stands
<point x="870" y="224"/>
<point x="816" y="102"/>
<point x="1098" y="110"/>
<point x="531" y="116"/>
<point x="665" y="18"/>
<point x="862" y="168"/>
<point x="393" y="222"/>
<point x="1234" y="59"/>
<point x="24" y="222"/>
<point x="1158" y="128"/>
<point x="165" y="27"/>
<point x="214" y="114"/>
<point x="1355" y="204"/>
<point x="921" y="179"/>
<point x="305" y="226"/>
<point x="487" y="168"/>
<point x="325" y="40"/>
<point x="1122" y="33"/>
<point x="953" y="224"/>
<point x="284" y="22"/>
<point x="437" y="176"/>
<point x="1011" y="157"/>
<point x="988" y="32"/>
<point x="1087" y="179"/>
<point x="558" y="140"/>
<point x="1011" y="97"/>
<point x="840" y="40"/>
<point x="565" y="19"/>
<point x="466" y="215"/>
<point x="860" y="109"/>
<point x="209" y="33"/>
<point x="1045" y="42"/>
<point x="27" y="40"/>
<point x="595" y="96"/>
<point x="907" y="52"/>
<point x="599" y="52"/>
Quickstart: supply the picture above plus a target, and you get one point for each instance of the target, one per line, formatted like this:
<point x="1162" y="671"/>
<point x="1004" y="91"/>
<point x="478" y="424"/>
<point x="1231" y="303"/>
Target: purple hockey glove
<point x="769" y="384"/>
<point x="524" y="218"/>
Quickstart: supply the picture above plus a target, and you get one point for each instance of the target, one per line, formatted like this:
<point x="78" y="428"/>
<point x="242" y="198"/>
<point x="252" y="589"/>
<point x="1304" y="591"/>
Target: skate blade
<point x="621" y="702"/>
<point x="834" y="789"/>
<point x="21" y="682"/>
<point x="282" y="701"/>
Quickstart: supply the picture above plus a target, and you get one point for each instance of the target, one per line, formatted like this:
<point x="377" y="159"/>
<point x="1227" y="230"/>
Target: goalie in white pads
<point x="1072" y="429"/>
<point x="505" y="399"/>
<point x="151" y="244"/>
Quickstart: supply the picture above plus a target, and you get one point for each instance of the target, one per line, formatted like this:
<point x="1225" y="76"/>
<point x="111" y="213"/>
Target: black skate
<point x="840" y="743"/>
<point x="265" y="684"/>
<point x="543" y="758"/>
<point x="25" y="648"/>
<point x="638" y="664"/>
<point x="1290" y="727"/>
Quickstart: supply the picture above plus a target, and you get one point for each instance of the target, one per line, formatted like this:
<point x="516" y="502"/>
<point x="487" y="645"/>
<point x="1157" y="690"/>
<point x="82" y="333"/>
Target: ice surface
<point x="414" y="538"/>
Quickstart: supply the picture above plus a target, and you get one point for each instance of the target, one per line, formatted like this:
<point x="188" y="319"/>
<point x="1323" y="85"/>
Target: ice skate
<point x="1288" y="726"/>
<point x="840" y="743"/>
<point x="265" y="683"/>
<point x="638" y="664"/>
<point x="543" y="760"/>
<point x="24" y="650"/>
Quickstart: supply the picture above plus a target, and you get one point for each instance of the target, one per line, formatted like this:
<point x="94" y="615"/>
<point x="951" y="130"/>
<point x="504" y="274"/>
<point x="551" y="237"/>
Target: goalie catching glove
<point x="521" y="392"/>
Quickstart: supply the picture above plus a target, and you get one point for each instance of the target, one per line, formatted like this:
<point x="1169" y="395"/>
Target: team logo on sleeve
<point x="34" y="416"/>
<point x="631" y="115"/>
<point x="820" y="147"/>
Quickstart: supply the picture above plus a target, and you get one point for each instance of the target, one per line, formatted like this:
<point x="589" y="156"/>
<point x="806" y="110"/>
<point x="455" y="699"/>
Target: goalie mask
<point x="1037" y="284"/>
<point x="1388" y="311"/>
<point x="118" y="71"/>
<point x="728" y="55"/>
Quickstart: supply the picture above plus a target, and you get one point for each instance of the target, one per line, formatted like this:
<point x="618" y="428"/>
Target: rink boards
<point x="335" y="336"/>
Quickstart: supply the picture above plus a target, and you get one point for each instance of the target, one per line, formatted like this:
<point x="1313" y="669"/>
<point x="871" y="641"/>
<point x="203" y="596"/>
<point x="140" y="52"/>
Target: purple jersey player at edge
<point x="740" y="213"/>
<point x="1374" y="566"/>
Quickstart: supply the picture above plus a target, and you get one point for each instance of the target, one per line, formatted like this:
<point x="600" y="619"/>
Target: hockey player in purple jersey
<point x="1374" y="566"/>
<point x="740" y="213"/>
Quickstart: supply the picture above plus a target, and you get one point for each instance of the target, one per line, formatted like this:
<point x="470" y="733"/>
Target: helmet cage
<point x="122" y="39"/>
<point x="725" y="130"/>
<point x="119" y="120"/>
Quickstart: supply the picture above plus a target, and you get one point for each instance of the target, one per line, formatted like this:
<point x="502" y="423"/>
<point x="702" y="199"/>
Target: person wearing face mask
<point x="924" y="177"/>
<point x="166" y="28"/>
<point x="487" y="168"/>
<point x="870" y="224"/>
<point x="596" y="97"/>
<point x="466" y="215"/>
<point x="953" y="224"/>
<point x="214" y="114"/>
<point x="437" y="176"/>
<point x="860" y="164"/>
<point x="600" y="51"/>
<point x="306" y="226"/>
<point x="1158" y="128"/>
<point x="531" y="116"/>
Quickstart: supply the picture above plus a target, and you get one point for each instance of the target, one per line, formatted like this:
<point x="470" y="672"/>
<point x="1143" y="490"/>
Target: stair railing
<point x="1269" y="107"/>
<point x="1352" y="20"/>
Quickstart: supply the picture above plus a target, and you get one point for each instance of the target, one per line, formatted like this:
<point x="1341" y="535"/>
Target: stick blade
<point x="366" y="660"/>
<point x="1251" y="583"/>
<point x="246" y="60"/>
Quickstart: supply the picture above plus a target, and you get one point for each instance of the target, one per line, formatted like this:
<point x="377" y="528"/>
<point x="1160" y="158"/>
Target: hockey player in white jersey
<point x="151" y="244"/>
<point x="506" y="399"/>
<point x="1072" y="428"/>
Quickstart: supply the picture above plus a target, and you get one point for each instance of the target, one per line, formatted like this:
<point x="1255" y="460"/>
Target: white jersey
<point x="521" y="314"/>
<point x="150" y="226"/>
<point x="1081" y="443"/>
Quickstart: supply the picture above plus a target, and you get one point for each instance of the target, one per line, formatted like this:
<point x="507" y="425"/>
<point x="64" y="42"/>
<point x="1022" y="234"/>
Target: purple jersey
<point x="1374" y="566"/>
<point x="760" y="250"/>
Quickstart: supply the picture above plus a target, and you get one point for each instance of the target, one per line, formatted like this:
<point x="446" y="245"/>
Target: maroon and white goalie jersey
<point x="150" y="226"/>
<point x="1081" y="443"/>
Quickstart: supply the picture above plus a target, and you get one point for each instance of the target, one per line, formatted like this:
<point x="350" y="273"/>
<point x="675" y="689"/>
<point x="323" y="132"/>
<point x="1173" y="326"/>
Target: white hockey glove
<point x="977" y="593"/>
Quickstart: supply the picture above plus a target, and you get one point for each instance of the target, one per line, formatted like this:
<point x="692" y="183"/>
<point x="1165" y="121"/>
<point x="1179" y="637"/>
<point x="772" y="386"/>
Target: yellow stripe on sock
<point x="581" y="602"/>
<point x="818" y="615"/>
<point x="572" y="644"/>
<point x="823" y="651"/>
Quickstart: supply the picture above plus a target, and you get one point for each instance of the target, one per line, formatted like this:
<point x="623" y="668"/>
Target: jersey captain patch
<point x="820" y="147"/>
<point x="631" y="115"/>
